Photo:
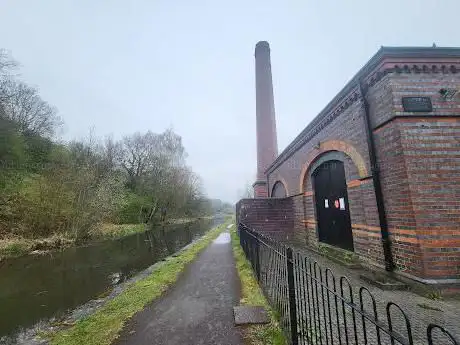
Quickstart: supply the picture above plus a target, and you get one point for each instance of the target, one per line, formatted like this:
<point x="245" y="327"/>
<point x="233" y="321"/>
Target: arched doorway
<point x="332" y="209"/>
<point x="279" y="191"/>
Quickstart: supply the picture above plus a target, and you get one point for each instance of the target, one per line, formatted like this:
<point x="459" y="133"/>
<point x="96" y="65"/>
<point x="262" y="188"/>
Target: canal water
<point x="38" y="287"/>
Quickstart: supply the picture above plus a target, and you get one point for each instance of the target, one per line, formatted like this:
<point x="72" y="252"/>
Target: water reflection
<point x="33" y="288"/>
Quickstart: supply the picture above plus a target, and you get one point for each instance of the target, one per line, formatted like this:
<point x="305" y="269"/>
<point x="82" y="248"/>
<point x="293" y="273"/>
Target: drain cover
<point x="245" y="315"/>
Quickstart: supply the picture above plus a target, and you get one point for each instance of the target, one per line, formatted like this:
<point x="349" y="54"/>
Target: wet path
<point x="198" y="309"/>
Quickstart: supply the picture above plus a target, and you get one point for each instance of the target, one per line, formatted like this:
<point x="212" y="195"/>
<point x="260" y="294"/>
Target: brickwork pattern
<point x="267" y="147"/>
<point x="398" y="202"/>
<point x="347" y="128"/>
<point x="274" y="217"/>
<point x="311" y="237"/>
<point x="260" y="190"/>
<point x="418" y="156"/>
<point x="300" y="234"/>
<point x="432" y="155"/>
<point x="431" y="150"/>
<point x="345" y="135"/>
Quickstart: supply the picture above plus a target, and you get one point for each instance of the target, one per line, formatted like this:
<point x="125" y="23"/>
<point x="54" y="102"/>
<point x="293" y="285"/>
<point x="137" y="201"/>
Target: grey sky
<point x="126" y="66"/>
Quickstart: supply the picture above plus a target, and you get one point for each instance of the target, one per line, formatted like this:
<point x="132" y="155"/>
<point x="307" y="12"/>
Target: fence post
<point x="256" y="252"/>
<point x="243" y="241"/>
<point x="291" y="292"/>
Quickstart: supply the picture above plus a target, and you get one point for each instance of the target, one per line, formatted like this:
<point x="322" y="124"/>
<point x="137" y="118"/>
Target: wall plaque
<point x="417" y="104"/>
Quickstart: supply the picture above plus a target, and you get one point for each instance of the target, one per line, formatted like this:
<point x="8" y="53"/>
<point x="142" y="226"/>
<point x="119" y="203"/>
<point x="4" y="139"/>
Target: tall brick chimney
<point x="267" y="147"/>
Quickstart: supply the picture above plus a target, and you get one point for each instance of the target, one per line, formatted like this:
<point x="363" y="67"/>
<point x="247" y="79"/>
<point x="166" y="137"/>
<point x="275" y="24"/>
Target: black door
<point x="332" y="211"/>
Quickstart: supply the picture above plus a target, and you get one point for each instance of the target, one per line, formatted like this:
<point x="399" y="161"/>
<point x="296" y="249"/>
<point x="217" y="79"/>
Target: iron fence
<point x="316" y="308"/>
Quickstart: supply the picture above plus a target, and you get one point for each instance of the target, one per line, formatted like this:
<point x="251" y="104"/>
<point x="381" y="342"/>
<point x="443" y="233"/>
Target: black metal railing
<point x="316" y="308"/>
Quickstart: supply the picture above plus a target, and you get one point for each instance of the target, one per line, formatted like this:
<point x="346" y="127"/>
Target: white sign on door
<point x="342" y="203"/>
<point x="326" y="203"/>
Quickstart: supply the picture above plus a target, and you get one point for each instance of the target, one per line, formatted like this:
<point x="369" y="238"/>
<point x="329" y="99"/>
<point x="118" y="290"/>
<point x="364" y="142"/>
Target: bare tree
<point x="7" y="63"/>
<point x="7" y="66"/>
<point x="154" y="166"/>
<point x="23" y="105"/>
<point x="182" y="187"/>
<point x="111" y="151"/>
<point x="150" y="153"/>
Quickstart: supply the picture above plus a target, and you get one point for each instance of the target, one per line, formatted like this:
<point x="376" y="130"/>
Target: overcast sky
<point x="126" y="66"/>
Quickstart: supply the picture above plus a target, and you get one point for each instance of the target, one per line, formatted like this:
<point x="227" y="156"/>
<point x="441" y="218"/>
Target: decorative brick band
<point x="366" y="227"/>
<point x="363" y="233"/>
<point x="398" y="235"/>
<point x="334" y="145"/>
<point x="375" y="229"/>
<point x="369" y="228"/>
<point x="398" y="239"/>
<point x="363" y="230"/>
<point x="449" y="243"/>
<point x="353" y="183"/>
<point x="452" y="118"/>
<point x="403" y="232"/>
<point x="309" y="221"/>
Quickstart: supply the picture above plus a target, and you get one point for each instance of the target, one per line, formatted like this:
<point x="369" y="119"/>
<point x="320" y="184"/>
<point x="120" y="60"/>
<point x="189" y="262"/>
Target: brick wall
<point x="398" y="202"/>
<point x="420" y="163"/>
<point x="299" y="230"/>
<point x="431" y="151"/>
<point x="348" y="128"/>
<point x="418" y="155"/>
<point x="273" y="217"/>
<point x="346" y="137"/>
<point x="311" y="237"/>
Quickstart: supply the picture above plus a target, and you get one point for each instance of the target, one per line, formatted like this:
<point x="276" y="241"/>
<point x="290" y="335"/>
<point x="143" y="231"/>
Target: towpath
<point x="198" y="309"/>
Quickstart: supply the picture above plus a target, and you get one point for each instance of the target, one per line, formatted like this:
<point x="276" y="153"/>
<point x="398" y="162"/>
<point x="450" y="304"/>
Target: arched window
<point x="279" y="191"/>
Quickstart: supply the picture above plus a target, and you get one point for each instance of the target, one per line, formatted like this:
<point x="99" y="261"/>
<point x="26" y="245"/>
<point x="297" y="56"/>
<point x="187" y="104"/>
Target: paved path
<point x="198" y="309"/>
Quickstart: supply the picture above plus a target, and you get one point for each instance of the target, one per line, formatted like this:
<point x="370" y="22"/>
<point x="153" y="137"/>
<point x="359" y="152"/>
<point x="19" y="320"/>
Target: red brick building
<point x="376" y="172"/>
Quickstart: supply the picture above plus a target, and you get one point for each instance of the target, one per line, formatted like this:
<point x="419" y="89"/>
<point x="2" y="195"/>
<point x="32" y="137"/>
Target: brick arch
<point x="283" y="182"/>
<point x="334" y="145"/>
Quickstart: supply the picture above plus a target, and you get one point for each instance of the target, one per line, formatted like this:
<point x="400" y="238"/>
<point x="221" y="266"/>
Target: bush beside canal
<point x="14" y="246"/>
<point x="103" y="326"/>
<point x="251" y="294"/>
<point x="18" y="246"/>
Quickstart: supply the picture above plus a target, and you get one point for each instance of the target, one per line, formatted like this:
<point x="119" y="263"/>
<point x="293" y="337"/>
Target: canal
<point x="36" y="288"/>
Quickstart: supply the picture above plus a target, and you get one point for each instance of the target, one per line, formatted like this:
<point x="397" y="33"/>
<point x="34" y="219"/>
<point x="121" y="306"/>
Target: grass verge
<point x="103" y="326"/>
<point x="251" y="294"/>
